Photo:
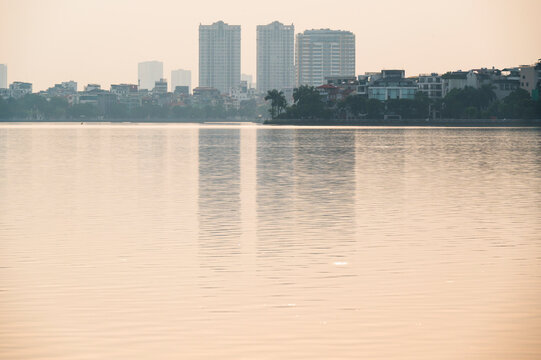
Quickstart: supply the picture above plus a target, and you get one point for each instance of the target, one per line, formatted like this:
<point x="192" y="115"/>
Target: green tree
<point x="308" y="104"/>
<point x="6" y="109"/>
<point x="278" y="102"/>
<point x="519" y="105"/>
<point x="83" y="111"/>
<point x="248" y="108"/>
<point x="56" y="108"/>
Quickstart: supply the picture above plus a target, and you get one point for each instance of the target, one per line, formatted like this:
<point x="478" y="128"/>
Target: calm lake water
<point x="249" y="242"/>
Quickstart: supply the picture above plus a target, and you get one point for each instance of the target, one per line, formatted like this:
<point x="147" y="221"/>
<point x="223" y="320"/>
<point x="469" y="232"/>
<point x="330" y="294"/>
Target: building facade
<point x="63" y="89"/>
<point x="392" y="84"/>
<point x="219" y="56"/>
<point x="19" y="89"/>
<point x="530" y="79"/>
<point x="454" y="80"/>
<point x="275" y="57"/>
<point x="430" y="85"/>
<point x="181" y="77"/>
<point x="160" y="87"/>
<point x="3" y="76"/>
<point x="323" y="53"/>
<point x="127" y="94"/>
<point x="148" y="73"/>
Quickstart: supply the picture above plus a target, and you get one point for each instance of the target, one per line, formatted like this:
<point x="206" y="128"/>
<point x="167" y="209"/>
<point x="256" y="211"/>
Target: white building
<point x="392" y="84"/>
<point x="63" y="89"/>
<point x="181" y="78"/>
<point x="148" y="73"/>
<point x="19" y="89"/>
<point x="454" y="80"/>
<point x="323" y="53"/>
<point x="430" y="85"/>
<point x="275" y="57"/>
<point x="219" y="56"/>
<point x="3" y="76"/>
<point x="530" y="78"/>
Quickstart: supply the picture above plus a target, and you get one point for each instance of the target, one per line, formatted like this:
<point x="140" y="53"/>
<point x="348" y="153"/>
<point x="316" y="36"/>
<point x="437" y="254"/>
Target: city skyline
<point x="437" y="37"/>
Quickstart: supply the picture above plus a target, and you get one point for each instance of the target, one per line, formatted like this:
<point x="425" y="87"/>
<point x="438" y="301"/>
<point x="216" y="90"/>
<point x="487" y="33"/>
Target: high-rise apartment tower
<point x="219" y="56"/>
<point x="275" y="57"/>
<point x="181" y="78"/>
<point x="148" y="73"/>
<point x="322" y="53"/>
<point x="3" y="76"/>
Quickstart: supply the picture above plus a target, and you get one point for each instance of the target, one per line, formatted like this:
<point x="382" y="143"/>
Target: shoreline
<point x="413" y="122"/>
<point x="311" y="122"/>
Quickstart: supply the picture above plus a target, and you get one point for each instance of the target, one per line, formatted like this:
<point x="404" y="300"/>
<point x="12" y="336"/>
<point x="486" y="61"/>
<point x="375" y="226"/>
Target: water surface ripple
<point x="253" y="242"/>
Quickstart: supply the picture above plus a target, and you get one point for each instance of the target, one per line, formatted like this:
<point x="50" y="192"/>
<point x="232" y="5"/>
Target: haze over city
<point x="45" y="42"/>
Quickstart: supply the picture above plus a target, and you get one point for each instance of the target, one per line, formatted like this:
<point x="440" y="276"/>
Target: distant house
<point x="453" y="80"/>
<point x="127" y="94"/>
<point x="19" y="89"/>
<point x="328" y="92"/>
<point x="206" y="96"/>
<point x="530" y="79"/>
<point x="391" y="84"/>
<point x="430" y="85"/>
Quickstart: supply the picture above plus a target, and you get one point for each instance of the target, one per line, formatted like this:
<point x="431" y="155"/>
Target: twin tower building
<point x="280" y="64"/>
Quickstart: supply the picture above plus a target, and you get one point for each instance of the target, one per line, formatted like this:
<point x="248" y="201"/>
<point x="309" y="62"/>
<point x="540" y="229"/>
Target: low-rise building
<point x="5" y="93"/>
<point x="91" y="87"/>
<point x="507" y="82"/>
<point x="530" y="79"/>
<point x="182" y="90"/>
<point x="346" y="84"/>
<point x="363" y="83"/>
<point x="63" y="89"/>
<point x="392" y="85"/>
<point x="160" y="87"/>
<point x="19" y="89"/>
<point x="328" y="93"/>
<point x="206" y="96"/>
<point x="430" y="85"/>
<point x="453" y="80"/>
<point x="127" y="94"/>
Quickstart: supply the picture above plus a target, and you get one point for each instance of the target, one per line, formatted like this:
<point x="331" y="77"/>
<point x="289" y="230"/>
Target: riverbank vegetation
<point x="38" y="108"/>
<point x="467" y="103"/>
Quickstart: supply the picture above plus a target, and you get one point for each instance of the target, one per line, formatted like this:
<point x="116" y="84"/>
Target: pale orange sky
<point x="101" y="41"/>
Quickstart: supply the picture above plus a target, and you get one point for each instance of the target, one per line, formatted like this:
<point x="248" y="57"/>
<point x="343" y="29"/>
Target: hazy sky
<point x="101" y="41"/>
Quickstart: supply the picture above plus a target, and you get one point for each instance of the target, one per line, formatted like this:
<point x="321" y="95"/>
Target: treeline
<point x="35" y="107"/>
<point x="467" y="103"/>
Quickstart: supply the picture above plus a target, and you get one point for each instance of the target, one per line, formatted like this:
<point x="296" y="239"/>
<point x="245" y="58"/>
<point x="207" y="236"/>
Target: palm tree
<point x="278" y="102"/>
